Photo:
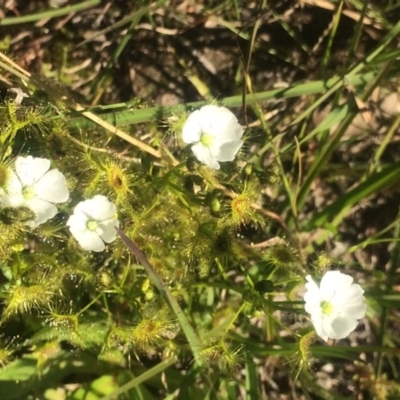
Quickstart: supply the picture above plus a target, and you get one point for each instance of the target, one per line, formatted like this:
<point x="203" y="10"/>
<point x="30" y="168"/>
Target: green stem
<point x="193" y="339"/>
<point x="129" y="116"/>
<point x="235" y="317"/>
<point x="157" y="369"/>
<point x="89" y="305"/>
<point x="49" y="14"/>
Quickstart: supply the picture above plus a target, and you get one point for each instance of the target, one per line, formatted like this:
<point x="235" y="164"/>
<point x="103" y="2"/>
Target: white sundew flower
<point x="8" y="181"/>
<point x="35" y="186"/>
<point x="93" y="223"/>
<point x="335" y="305"/>
<point x="215" y="133"/>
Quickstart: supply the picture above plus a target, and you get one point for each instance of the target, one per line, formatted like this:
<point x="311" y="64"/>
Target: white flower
<point x="216" y="135"/>
<point x="35" y="187"/>
<point x="93" y="223"/>
<point x="9" y="184"/>
<point x="335" y="306"/>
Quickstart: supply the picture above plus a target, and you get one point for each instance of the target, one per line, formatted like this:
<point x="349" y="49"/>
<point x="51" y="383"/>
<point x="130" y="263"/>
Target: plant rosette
<point x="215" y="134"/>
<point x="335" y="306"/>
<point x="93" y="223"/>
<point x="35" y="186"/>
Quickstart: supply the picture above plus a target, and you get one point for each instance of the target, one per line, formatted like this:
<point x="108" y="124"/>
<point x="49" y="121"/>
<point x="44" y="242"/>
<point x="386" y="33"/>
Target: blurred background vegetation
<point x="102" y="89"/>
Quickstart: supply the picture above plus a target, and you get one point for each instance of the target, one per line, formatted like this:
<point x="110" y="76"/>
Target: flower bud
<point x="248" y="169"/>
<point x="214" y="201"/>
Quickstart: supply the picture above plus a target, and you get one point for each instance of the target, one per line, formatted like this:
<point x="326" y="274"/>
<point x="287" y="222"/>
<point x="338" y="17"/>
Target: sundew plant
<point x="199" y="200"/>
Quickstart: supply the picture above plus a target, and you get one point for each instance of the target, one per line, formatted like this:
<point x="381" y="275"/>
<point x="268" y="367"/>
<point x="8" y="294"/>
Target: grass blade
<point x="187" y="328"/>
<point x="49" y="14"/>
<point x="162" y="366"/>
<point x="128" y="117"/>
<point x="337" y="211"/>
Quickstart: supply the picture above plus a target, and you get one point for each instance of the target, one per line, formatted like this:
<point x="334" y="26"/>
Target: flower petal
<point x="220" y="122"/>
<point x="81" y="211"/>
<point x="203" y="154"/>
<point x="312" y="297"/>
<point x="101" y="209"/>
<point x="356" y="311"/>
<point x="350" y="295"/>
<point x="107" y="230"/>
<point x="12" y="194"/>
<point x="87" y="239"/>
<point x="225" y="151"/>
<point x="52" y="187"/>
<point x="77" y="223"/>
<point x="90" y="240"/>
<point x="191" y="131"/>
<point x="342" y="327"/>
<point x="327" y="328"/>
<point x="317" y="321"/>
<point x="333" y="282"/>
<point x="42" y="209"/>
<point x="30" y="169"/>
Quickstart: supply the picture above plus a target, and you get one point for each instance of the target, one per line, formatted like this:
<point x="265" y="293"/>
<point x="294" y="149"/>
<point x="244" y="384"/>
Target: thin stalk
<point x="89" y="305"/>
<point x="385" y="142"/>
<point x="358" y="68"/>
<point x="358" y="31"/>
<point x="235" y="317"/>
<point x="394" y="262"/>
<point x="98" y="83"/>
<point x="128" y="116"/>
<point x="335" y="24"/>
<point x="49" y="14"/>
<point x="28" y="77"/>
<point x="157" y="369"/>
<point x="124" y="21"/>
<point x="333" y="214"/>
<point x="193" y="339"/>
<point x="333" y="142"/>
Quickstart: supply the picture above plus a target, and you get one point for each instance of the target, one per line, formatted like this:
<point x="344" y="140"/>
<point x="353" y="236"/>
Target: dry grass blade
<point x="25" y="75"/>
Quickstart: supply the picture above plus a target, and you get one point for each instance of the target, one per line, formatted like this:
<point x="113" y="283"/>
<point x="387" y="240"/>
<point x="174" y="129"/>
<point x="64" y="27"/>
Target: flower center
<point x="28" y="192"/>
<point x="206" y="139"/>
<point x="326" y="307"/>
<point x="92" y="225"/>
